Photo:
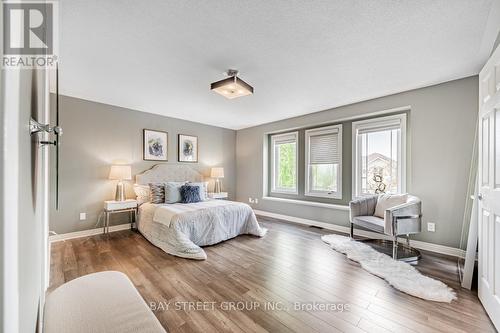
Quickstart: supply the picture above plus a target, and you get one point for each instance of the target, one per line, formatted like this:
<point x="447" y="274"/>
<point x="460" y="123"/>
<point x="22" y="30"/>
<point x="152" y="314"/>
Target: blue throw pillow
<point x="190" y="194"/>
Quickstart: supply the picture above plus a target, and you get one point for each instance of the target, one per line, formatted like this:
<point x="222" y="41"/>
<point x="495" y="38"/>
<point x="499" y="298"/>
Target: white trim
<point x="265" y="165"/>
<point x="448" y="250"/>
<point x="283" y="191"/>
<point x="397" y="119"/>
<point x="318" y="131"/>
<point x="307" y="203"/>
<point x="86" y="233"/>
<point x="290" y="136"/>
<point x="10" y="215"/>
<point x="45" y="211"/>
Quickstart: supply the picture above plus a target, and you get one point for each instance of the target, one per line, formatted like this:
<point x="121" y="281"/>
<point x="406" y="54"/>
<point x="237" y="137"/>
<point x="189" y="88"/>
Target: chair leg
<point x="352" y="231"/>
<point x="408" y="240"/>
<point x="395" y="248"/>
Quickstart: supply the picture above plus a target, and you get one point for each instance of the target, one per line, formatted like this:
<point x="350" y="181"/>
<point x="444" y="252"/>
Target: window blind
<point x="324" y="149"/>
<point x="383" y="126"/>
<point x="281" y="139"/>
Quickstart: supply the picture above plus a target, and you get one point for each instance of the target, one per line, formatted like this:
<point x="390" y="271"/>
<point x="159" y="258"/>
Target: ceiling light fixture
<point x="232" y="87"/>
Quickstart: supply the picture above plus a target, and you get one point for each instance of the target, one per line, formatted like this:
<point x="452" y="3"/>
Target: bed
<point x="182" y="229"/>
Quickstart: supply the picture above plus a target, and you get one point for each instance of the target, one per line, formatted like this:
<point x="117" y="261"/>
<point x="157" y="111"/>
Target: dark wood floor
<point x="291" y="264"/>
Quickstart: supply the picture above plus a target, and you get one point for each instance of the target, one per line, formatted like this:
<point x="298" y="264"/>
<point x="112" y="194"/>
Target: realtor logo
<point x="28" y="33"/>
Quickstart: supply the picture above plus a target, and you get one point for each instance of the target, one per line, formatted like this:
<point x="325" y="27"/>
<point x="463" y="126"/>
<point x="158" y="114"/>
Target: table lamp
<point x="217" y="173"/>
<point x="120" y="173"/>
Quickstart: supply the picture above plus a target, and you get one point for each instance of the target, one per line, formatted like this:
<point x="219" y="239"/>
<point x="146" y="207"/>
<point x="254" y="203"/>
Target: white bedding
<point x="180" y="229"/>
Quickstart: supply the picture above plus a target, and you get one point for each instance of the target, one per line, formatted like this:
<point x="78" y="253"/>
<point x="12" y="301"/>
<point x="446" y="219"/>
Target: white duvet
<point x="180" y="229"/>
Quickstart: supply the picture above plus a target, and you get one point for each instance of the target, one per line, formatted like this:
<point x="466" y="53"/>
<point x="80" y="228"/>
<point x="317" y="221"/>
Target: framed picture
<point x="188" y="148"/>
<point x="155" y="145"/>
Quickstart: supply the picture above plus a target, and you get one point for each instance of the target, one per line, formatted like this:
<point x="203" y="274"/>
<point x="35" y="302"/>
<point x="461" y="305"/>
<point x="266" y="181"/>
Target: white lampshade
<point x="217" y="173"/>
<point x="120" y="172"/>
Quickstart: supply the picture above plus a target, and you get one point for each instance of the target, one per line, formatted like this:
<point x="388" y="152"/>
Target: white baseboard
<point x="86" y="233"/>
<point x="451" y="251"/>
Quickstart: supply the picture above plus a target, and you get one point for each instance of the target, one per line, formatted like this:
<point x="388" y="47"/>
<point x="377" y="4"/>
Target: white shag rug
<point x="399" y="274"/>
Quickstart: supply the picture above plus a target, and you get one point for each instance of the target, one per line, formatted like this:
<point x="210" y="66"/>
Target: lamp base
<point x="217" y="188"/>
<point x="120" y="192"/>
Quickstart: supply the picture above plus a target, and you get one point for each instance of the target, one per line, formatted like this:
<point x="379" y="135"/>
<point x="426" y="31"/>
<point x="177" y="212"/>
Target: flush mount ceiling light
<point x="232" y="87"/>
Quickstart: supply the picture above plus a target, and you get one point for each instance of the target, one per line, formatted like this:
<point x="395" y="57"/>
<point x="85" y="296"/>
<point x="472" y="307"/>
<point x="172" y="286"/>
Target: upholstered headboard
<point x="168" y="172"/>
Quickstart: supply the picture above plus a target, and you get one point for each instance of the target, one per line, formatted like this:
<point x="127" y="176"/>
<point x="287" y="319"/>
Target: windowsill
<point x="307" y="203"/>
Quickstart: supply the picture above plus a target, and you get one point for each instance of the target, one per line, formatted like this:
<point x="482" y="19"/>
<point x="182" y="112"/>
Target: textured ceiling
<point x="300" y="56"/>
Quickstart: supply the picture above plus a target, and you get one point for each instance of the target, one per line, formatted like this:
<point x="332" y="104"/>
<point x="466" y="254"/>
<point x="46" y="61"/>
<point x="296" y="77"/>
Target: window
<point x="284" y="151"/>
<point x="324" y="162"/>
<point x="379" y="155"/>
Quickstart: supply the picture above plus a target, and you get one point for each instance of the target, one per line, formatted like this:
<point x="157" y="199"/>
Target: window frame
<point x="379" y="123"/>
<point x="274" y="138"/>
<point x="315" y="131"/>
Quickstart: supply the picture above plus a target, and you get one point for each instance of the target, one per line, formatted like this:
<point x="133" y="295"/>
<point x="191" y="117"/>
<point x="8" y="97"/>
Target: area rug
<point x="398" y="274"/>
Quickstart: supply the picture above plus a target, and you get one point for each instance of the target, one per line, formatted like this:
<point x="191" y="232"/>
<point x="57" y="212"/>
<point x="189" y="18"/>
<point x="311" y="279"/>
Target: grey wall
<point x="442" y="127"/>
<point x="98" y="135"/>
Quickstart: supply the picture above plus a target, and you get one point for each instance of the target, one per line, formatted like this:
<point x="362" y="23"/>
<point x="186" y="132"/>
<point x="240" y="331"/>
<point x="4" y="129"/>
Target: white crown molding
<point x="451" y="251"/>
<point x="86" y="233"/>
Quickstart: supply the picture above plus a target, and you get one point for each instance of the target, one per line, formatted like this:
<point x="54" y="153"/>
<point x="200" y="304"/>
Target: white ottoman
<point x="99" y="302"/>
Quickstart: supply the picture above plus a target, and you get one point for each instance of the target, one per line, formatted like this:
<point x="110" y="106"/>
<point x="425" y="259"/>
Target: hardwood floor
<point x="244" y="275"/>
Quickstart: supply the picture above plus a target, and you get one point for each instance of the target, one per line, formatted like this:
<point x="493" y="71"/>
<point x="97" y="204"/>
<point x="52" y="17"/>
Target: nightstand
<point x="113" y="206"/>
<point x="220" y="195"/>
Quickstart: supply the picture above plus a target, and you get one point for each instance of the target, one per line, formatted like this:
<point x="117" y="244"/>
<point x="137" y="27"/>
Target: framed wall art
<point x="155" y="145"/>
<point x="188" y="148"/>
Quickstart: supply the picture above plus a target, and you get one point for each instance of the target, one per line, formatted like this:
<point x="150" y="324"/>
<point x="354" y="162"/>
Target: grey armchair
<point x="404" y="219"/>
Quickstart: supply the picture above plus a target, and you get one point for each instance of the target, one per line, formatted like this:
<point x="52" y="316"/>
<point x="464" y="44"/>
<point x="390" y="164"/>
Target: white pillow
<point x="143" y="193"/>
<point x="386" y="201"/>
<point x="172" y="192"/>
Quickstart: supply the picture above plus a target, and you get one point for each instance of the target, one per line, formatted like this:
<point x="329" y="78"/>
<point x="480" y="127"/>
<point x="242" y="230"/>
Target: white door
<point x="489" y="187"/>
